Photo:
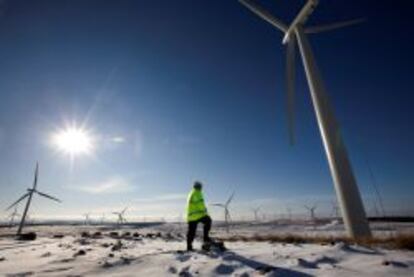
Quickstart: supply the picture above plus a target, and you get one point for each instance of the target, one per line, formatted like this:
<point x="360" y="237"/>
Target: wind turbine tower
<point x="256" y="213"/>
<point x="29" y="195"/>
<point x="346" y="188"/>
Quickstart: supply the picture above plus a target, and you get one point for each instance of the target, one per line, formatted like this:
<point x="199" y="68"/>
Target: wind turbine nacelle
<point x="301" y="18"/>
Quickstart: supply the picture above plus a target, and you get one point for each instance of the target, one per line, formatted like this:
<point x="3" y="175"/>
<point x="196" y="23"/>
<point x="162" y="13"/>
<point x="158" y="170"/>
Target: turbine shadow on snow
<point x="263" y="267"/>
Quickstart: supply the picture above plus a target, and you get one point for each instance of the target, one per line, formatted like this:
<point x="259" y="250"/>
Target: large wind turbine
<point x="225" y="206"/>
<point x="29" y="195"/>
<point x="346" y="188"/>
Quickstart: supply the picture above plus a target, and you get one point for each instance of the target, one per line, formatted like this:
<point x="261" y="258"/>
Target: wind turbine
<point x="225" y="206"/>
<point x="121" y="219"/>
<point x="289" y="213"/>
<point x="29" y="195"/>
<point x="256" y="213"/>
<point x="311" y="210"/>
<point x="102" y="219"/>
<point x="13" y="215"/>
<point x="346" y="188"/>
<point x="335" y="210"/>
<point x="87" y="220"/>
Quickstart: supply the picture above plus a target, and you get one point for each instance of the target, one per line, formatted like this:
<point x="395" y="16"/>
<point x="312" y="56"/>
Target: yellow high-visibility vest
<point x="196" y="207"/>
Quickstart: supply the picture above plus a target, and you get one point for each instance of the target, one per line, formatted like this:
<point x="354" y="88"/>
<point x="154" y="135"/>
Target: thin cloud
<point x="112" y="185"/>
<point x="163" y="198"/>
<point x="118" y="139"/>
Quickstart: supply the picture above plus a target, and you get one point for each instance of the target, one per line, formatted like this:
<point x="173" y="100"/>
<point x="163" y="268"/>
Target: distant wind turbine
<point x="29" y="195"/>
<point x="311" y="210"/>
<point x="87" y="220"/>
<point x="13" y="215"/>
<point x="256" y="213"/>
<point x="121" y="218"/>
<point x="335" y="210"/>
<point x="346" y="187"/>
<point x="289" y="213"/>
<point x="225" y="206"/>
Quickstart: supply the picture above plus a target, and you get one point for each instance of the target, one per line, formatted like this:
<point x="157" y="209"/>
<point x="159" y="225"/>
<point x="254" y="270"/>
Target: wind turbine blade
<point x="123" y="211"/>
<point x="47" y="196"/>
<point x="263" y="14"/>
<point x="290" y="87"/>
<point x="230" y="198"/>
<point x="36" y="176"/>
<point x="333" y="26"/>
<point x="18" y="200"/>
<point x="217" y="205"/>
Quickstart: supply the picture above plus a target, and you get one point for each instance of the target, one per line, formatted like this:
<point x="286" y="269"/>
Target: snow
<point x="163" y="255"/>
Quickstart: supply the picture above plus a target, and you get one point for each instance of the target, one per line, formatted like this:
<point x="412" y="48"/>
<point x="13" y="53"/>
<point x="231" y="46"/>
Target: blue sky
<point x="195" y="89"/>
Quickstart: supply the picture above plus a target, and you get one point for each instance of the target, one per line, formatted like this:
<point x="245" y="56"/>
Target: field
<point x="157" y="250"/>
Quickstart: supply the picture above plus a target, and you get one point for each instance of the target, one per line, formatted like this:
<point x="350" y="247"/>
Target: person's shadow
<point x="262" y="267"/>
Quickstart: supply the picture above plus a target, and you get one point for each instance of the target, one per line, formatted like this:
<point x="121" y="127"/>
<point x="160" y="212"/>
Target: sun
<point x="73" y="141"/>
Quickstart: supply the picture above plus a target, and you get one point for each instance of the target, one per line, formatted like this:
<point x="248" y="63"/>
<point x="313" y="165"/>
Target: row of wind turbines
<point x="257" y="217"/>
<point x="120" y="218"/>
<point x="120" y="215"/>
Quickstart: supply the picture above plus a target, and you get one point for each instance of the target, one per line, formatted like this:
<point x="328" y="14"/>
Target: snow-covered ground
<point x="157" y="251"/>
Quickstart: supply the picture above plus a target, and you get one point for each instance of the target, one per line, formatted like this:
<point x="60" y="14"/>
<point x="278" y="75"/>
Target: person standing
<point x="196" y="213"/>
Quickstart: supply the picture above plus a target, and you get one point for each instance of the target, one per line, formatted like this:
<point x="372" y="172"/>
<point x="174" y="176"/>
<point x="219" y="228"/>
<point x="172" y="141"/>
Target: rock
<point x="136" y="235"/>
<point x="57" y="236"/>
<point x="113" y="234"/>
<point x="172" y="270"/>
<point x="47" y="254"/>
<point x="27" y="236"/>
<point x="83" y="241"/>
<point x="107" y="264"/>
<point x="85" y="235"/>
<point x="111" y="255"/>
<point x="125" y="260"/>
<point x="264" y="269"/>
<point x="117" y="246"/>
<point x="394" y="263"/>
<point x="2" y="259"/>
<point x="81" y="252"/>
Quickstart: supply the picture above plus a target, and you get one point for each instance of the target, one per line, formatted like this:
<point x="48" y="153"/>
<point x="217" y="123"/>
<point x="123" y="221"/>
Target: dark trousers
<point x="192" y="228"/>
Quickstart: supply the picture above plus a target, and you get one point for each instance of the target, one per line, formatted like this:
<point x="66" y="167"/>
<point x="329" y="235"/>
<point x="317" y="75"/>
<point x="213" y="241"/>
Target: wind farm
<point x="206" y="138"/>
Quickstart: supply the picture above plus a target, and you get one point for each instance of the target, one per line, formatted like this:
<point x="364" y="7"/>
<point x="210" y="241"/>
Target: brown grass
<point x="399" y="241"/>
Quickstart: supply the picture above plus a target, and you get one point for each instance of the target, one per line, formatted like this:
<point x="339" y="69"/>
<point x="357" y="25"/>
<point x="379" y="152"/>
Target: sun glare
<point x="73" y="141"/>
